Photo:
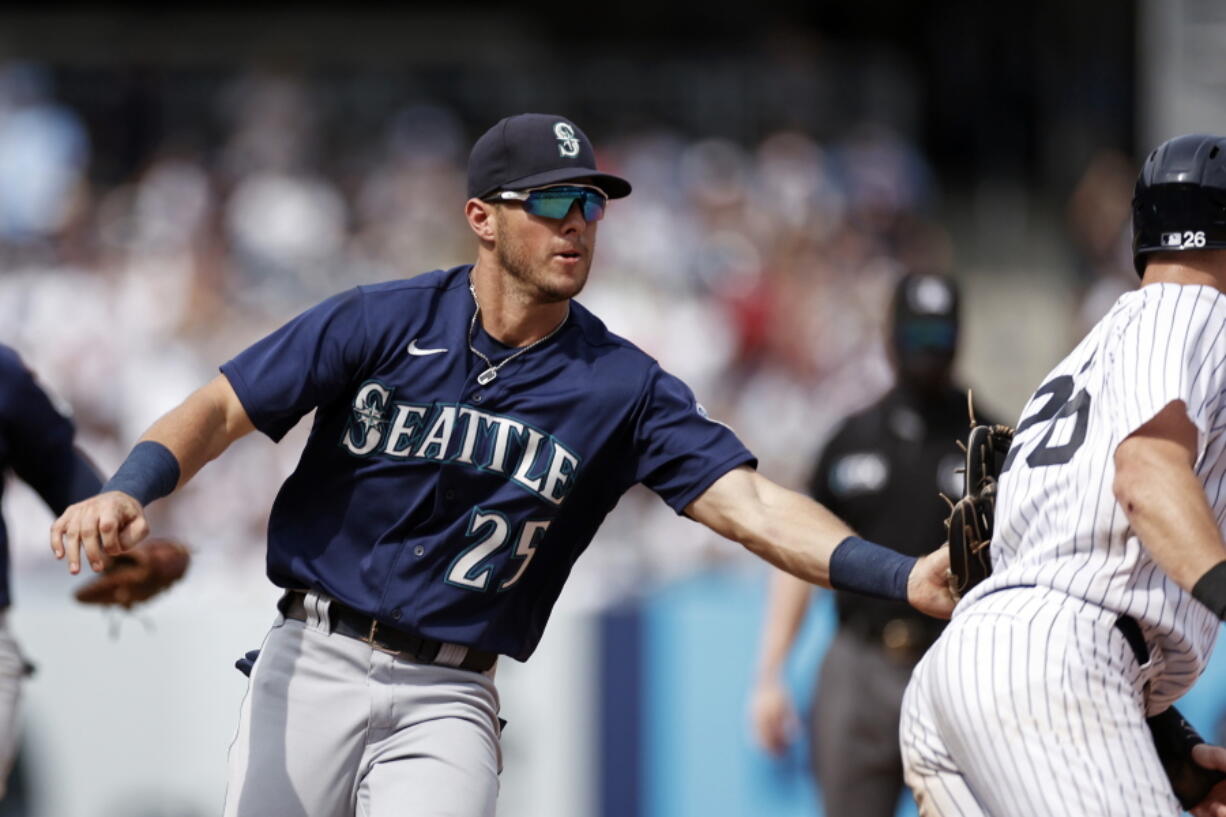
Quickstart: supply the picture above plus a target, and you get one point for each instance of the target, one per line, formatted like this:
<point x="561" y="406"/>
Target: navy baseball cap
<point x="533" y="150"/>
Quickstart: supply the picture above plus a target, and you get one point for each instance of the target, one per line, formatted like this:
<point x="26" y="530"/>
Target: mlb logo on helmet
<point x="1172" y="239"/>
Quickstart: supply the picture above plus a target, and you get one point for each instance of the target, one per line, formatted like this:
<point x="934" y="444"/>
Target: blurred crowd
<point x="758" y="273"/>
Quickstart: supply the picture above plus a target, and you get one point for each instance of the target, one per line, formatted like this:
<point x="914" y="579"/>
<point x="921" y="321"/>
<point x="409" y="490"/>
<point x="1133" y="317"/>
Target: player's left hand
<point x="1211" y="757"/>
<point x="928" y="584"/>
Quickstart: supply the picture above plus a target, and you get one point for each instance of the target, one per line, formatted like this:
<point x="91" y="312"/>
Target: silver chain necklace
<point x="487" y="376"/>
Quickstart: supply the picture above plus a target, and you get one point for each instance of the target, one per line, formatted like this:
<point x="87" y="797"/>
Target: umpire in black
<point x="882" y="471"/>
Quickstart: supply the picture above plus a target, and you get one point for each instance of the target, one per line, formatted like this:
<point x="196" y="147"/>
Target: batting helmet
<point x="1180" y="198"/>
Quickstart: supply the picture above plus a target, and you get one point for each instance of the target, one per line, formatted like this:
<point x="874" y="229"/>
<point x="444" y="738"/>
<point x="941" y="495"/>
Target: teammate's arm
<point x="192" y="434"/>
<point x="1157" y="486"/>
<point x="41" y="441"/>
<point x="799" y="536"/>
<point x="771" y="709"/>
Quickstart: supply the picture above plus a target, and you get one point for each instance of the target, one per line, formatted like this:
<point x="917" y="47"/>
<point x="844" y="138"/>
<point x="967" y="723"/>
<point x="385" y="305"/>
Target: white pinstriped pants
<point x="1032" y="703"/>
<point x="331" y="727"/>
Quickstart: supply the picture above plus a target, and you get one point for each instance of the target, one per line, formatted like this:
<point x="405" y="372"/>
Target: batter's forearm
<point x="1166" y="505"/>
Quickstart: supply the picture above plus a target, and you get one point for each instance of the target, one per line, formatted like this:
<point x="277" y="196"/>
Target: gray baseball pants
<point x="331" y="727"/>
<point x="12" y="675"/>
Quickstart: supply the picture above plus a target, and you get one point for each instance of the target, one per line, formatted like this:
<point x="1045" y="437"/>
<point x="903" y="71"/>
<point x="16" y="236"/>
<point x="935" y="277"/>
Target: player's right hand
<point x="774" y="719"/>
<point x="928" y="585"/>
<point x="1211" y="757"/>
<point x="108" y="523"/>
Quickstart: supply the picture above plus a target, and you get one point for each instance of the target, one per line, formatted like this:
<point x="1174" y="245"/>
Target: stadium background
<point x="175" y="183"/>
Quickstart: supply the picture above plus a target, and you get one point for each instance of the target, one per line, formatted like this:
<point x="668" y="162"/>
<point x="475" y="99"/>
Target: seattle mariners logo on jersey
<point x="368" y="412"/>
<point x="457" y="433"/>
<point x="568" y="145"/>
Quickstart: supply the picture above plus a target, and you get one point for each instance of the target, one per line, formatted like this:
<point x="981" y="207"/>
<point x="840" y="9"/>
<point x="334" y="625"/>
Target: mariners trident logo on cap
<point x="532" y="150"/>
<point x="568" y="145"/>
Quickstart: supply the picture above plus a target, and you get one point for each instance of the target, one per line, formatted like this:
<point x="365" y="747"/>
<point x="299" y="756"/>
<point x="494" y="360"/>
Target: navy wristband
<point x="870" y="569"/>
<point x="1210" y="589"/>
<point x="150" y="472"/>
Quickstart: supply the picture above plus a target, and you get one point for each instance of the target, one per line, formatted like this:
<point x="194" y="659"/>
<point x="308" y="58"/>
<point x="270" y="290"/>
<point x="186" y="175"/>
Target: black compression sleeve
<point x="1210" y="589"/>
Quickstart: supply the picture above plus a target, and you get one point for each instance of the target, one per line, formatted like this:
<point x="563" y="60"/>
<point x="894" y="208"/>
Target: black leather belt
<point x="349" y="622"/>
<point x="1136" y="639"/>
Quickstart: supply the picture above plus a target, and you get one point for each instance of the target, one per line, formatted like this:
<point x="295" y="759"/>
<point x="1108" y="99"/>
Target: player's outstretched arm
<point x="797" y="535"/>
<point x="167" y="456"/>
<point x="771" y="711"/>
<point x="1157" y="486"/>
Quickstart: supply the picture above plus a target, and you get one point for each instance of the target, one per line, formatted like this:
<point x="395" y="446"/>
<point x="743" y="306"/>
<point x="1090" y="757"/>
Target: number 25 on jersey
<point x="473" y="568"/>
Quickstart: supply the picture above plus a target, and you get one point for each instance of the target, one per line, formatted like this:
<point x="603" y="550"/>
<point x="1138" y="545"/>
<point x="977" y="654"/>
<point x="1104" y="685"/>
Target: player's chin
<point x="565" y="276"/>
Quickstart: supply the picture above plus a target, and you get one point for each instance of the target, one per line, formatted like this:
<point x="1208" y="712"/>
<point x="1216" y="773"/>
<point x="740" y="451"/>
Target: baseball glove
<point x="970" y="518"/>
<point x="137" y="575"/>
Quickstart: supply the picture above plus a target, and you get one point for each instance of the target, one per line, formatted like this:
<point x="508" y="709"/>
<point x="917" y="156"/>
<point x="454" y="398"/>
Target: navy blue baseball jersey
<point x="36" y="443"/>
<point x="449" y="508"/>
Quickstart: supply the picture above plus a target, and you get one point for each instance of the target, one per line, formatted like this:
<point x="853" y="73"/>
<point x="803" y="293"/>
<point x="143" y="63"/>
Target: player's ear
<point x="481" y="218"/>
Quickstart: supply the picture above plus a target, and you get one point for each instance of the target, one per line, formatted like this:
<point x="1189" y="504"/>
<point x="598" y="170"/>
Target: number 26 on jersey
<point x="1062" y="403"/>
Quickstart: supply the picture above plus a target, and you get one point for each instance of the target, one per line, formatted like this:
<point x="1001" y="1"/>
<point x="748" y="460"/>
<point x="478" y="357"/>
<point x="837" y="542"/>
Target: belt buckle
<point x="378" y="645"/>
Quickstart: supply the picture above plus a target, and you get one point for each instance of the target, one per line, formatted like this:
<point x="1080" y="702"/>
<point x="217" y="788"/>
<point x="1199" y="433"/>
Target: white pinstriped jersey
<point x="1058" y="524"/>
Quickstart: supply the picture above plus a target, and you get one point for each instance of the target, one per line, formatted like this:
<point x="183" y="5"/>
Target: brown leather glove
<point x="971" y="518"/>
<point x="137" y="575"/>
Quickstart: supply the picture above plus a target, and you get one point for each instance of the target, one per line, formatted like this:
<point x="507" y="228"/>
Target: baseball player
<point x="36" y="443"/>
<point x="472" y="428"/>
<point x="1109" y="569"/>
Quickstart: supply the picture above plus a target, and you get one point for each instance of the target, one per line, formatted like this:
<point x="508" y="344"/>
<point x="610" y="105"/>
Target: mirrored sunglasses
<point x="931" y="334"/>
<point x="555" y="202"/>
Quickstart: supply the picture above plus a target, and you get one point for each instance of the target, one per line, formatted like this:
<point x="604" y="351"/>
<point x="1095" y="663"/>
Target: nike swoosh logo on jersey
<point x="417" y="351"/>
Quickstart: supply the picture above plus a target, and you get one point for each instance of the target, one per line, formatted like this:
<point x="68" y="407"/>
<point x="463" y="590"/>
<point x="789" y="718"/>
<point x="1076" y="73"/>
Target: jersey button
<point x="396" y="615"/>
<point x="478" y="396"/>
<point x="419" y="550"/>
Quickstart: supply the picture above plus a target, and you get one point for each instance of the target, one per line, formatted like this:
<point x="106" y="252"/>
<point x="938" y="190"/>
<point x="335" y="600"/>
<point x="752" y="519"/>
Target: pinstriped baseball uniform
<point x="1033" y="701"/>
